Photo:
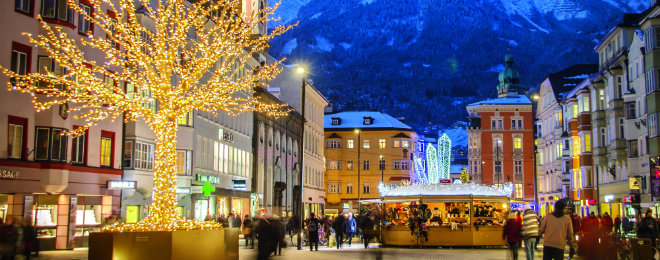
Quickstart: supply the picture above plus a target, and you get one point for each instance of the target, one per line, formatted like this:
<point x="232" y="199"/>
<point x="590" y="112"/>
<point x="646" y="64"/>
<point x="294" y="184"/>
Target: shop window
<point x="79" y="149"/>
<point x="381" y="143"/>
<point x="58" y="10"/>
<point x="50" y="144"/>
<point x="17" y="137"/>
<point x="107" y="148"/>
<point x="183" y="162"/>
<point x="88" y="219"/>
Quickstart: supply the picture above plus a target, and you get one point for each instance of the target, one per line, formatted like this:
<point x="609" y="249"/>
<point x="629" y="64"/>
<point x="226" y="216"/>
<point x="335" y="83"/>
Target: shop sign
<point x="130" y="185"/>
<point x="196" y="189"/>
<point x="183" y="190"/>
<point x="225" y="135"/>
<point x="635" y="183"/>
<point x="346" y="206"/>
<point x="207" y="178"/>
<point x="9" y="174"/>
<point x="608" y="198"/>
<point x="239" y="184"/>
<point x="445" y="181"/>
<point x="28" y="201"/>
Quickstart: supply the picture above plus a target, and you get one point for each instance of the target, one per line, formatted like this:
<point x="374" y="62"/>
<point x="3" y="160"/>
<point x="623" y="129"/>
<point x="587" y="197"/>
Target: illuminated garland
<point x="444" y="156"/>
<point x="432" y="164"/>
<point x="192" y="59"/>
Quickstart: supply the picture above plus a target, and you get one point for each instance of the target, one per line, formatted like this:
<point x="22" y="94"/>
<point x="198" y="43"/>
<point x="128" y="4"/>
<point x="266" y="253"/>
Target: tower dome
<point x="509" y="79"/>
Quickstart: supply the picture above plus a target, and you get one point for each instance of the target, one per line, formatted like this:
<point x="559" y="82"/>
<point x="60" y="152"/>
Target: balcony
<point x="598" y="115"/>
<point x="615" y="105"/>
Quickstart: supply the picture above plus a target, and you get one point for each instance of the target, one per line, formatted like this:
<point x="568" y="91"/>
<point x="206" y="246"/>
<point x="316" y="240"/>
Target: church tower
<point x="509" y="79"/>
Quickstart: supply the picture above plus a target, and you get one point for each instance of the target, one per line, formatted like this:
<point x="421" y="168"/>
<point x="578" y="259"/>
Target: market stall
<point x="444" y="214"/>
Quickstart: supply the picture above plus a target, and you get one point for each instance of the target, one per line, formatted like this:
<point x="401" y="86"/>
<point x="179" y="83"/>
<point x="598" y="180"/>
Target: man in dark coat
<point x="648" y="228"/>
<point x="278" y="235"/>
<point x="367" y="227"/>
<point x="265" y="239"/>
<point x="313" y="225"/>
<point x="340" y="227"/>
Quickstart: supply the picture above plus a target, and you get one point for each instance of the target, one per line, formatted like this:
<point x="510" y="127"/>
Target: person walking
<point x="351" y="227"/>
<point x="313" y="227"/>
<point x="648" y="228"/>
<point x="589" y="241"/>
<point x="530" y="230"/>
<point x="340" y="227"/>
<point x="278" y="235"/>
<point x="247" y="230"/>
<point x="558" y="230"/>
<point x="265" y="239"/>
<point x="575" y="223"/>
<point x="8" y="239"/>
<point x="367" y="229"/>
<point x="29" y="236"/>
<point x="511" y="233"/>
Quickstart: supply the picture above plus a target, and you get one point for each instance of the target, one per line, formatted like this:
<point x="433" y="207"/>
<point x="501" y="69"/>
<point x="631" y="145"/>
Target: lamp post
<point x="535" y="99"/>
<point x="498" y="166"/>
<point x="358" y="132"/>
<point x="382" y="169"/>
<point x="301" y="153"/>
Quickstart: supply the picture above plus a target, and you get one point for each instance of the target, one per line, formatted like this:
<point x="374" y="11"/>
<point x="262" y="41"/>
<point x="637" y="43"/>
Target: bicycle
<point x="623" y="247"/>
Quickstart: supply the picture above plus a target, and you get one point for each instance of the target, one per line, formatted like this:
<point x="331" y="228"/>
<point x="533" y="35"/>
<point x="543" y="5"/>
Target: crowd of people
<point x="17" y="238"/>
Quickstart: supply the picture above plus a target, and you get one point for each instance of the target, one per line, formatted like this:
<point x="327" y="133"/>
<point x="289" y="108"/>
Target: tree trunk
<point x="163" y="212"/>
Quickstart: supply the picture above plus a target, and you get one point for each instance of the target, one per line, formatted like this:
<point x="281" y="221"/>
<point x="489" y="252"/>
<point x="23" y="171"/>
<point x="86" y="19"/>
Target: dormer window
<point x="336" y="121"/>
<point x="368" y="120"/>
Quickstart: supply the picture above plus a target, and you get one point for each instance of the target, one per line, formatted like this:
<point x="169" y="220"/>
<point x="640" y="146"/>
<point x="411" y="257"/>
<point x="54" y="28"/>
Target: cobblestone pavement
<point x="354" y="252"/>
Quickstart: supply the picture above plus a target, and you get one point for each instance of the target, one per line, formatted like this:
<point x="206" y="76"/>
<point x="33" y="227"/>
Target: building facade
<point x="500" y="136"/>
<point x="57" y="181"/>
<point x="362" y="150"/>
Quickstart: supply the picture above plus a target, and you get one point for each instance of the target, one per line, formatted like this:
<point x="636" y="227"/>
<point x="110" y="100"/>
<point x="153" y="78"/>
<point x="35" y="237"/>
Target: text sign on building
<point x="445" y="181"/>
<point x="183" y="190"/>
<point x="9" y="174"/>
<point x="122" y="185"/>
<point x="205" y="178"/>
<point x="635" y="183"/>
<point x="239" y="184"/>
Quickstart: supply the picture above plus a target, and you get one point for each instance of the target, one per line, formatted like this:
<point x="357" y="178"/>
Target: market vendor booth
<point x="463" y="214"/>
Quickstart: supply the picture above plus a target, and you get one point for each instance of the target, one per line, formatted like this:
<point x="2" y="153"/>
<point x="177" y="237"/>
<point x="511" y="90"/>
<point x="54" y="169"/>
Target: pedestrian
<point x="237" y="221"/>
<point x="589" y="242"/>
<point x="367" y="229"/>
<point x="327" y="226"/>
<point x="340" y="227"/>
<point x="558" y="230"/>
<point x="648" y="228"/>
<point x="530" y="230"/>
<point x="575" y="223"/>
<point x="351" y="227"/>
<point x="313" y="225"/>
<point x="606" y="223"/>
<point x="8" y="239"/>
<point x="617" y="224"/>
<point x="511" y="233"/>
<point x="265" y="239"/>
<point x="230" y="220"/>
<point x="29" y="236"/>
<point x="278" y="232"/>
<point x="247" y="231"/>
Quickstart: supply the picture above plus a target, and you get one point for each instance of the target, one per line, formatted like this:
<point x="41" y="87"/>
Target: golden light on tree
<point x="465" y="176"/>
<point x="188" y="56"/>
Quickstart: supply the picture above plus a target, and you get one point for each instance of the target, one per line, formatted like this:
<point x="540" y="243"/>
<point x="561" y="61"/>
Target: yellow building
<point x="363" y="149"/>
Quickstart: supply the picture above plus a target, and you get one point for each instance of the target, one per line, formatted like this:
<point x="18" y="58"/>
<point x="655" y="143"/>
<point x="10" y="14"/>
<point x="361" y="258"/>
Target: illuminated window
<point x="519" y="190"/>
<point x="517" y="143"/>
<point x="183" y="162"/>
<point x="106" y="147"/>
<point x="381" y="143"/>
<point x="349" y="165"/>
<point x="366" y="144"/>
<point x="576" y="146"/>
<point x="349" y="143"/>
<point x="187" y="119"/>
<point x="587" y="142"/>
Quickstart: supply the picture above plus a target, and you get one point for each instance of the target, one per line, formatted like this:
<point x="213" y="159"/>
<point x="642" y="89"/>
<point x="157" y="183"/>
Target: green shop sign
<point x="205" y="178"/>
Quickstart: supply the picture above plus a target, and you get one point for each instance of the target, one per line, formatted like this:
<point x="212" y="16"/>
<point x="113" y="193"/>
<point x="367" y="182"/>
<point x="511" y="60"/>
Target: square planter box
<point x="177" y="245"/>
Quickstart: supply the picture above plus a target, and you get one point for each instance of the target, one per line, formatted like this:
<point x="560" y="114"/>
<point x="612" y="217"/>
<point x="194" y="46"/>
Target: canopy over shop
<point x="464" y="214"/>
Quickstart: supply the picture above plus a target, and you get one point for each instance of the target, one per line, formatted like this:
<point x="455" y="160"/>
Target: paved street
<point x="354" y="252"/>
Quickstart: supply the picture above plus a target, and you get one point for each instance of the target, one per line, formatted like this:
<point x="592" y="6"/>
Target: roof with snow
<point x="457" y="189"/>
<point x="355" y="119"/>
<point x="509" y="100"/>
<point x="567" y="79"/>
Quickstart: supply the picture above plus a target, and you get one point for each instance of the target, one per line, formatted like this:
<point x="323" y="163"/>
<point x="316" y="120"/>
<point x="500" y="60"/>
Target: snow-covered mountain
<point x="426" y="59"/>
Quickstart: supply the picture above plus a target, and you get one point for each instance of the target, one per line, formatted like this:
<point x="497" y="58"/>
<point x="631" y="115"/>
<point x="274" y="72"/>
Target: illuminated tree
<point x="432" y="164"/>
<point x="465" y="176"/>
<point x="444" y="156"/>
<point x="191" y="59"/>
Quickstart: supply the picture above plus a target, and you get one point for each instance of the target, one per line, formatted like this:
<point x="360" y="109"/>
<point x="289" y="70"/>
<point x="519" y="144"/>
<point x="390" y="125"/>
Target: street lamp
<point x="498" y="165"/>
<point x="358" y="132"/>
<point x="301" y="153"/>
<point x="382" y="169"/>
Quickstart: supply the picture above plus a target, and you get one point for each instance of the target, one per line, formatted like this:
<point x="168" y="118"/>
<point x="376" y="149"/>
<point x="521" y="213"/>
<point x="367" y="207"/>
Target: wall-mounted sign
<point x="183" y="190"/>
<point x="635" y="183"/>
<point x="196" y="189"/>
<point x="225" y="135"/>
<point x="207" y="178"/>
<point x="239" y="184"/>
<point x="445" y="181"/>
<point x="122" y="185"/>
<point x="9" y="174"/>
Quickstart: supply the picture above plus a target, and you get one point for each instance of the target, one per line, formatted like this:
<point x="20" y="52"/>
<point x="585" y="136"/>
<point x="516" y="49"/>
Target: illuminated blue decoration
<point x="432" y="163"/>
<point x="420" y="169"/>
<point x="444" y="156"/>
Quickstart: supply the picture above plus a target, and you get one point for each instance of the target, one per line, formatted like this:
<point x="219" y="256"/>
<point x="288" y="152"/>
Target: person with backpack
<point x="313" y="225"/>
<point x="351" y="227"/>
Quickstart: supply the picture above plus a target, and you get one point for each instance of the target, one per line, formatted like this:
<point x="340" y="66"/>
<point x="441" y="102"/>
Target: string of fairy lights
<point x="187" y="57"/>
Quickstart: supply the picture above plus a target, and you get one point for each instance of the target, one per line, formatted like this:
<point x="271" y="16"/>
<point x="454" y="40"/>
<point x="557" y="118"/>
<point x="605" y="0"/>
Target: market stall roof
<point x="466" y="189"/>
